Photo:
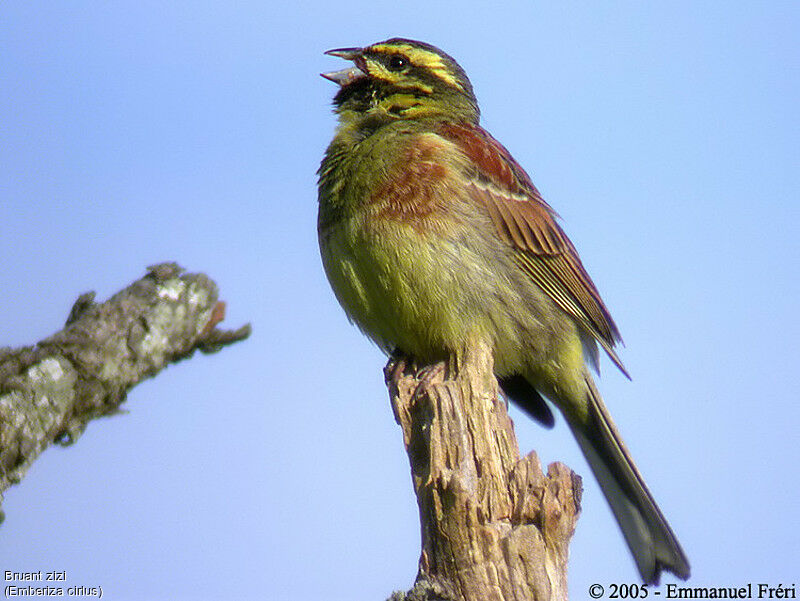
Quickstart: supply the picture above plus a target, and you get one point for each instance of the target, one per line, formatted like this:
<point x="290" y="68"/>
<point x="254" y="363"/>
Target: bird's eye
<point x="397" y="62"/>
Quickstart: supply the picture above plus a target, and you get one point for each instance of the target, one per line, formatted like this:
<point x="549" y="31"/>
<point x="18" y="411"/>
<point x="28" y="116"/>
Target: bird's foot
<point x="429" y="373"/>
<point x="396" y="366"/>
<point x="400" y="365"/>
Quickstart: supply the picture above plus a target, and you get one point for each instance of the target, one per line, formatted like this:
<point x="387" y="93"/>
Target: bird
<point x="432" y="236"/>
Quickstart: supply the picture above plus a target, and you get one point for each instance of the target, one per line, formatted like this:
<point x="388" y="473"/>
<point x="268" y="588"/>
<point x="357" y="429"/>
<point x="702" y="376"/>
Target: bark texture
<point x="494" y="527"/>
<point x="49" y="392"/>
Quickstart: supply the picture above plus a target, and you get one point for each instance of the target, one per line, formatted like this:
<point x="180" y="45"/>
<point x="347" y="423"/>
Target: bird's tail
<point x="651" y="540"/>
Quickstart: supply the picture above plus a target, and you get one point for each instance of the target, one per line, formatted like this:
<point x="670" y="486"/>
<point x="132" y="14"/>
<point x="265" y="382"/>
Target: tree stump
<point x="494" y="527"/>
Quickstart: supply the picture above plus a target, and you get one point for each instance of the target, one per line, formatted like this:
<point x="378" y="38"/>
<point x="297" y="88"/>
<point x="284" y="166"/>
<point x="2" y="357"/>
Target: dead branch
<point x="50" y="391"/>
<point x="494" y="527"/>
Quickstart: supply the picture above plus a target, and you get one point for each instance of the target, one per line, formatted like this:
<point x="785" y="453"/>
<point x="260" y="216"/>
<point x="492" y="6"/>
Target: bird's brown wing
<point x="525" y="221"/>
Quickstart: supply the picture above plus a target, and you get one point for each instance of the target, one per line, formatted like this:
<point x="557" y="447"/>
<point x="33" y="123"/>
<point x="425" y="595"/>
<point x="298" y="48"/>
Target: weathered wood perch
<point x="50" y="391"/>
<point x="494" y="527"/>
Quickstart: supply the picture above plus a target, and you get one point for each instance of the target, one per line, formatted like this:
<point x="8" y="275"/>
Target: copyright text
<point x="674" y="591"/>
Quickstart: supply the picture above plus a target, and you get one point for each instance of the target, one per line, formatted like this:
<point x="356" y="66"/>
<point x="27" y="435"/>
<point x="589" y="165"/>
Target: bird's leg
<point x="429" y="373"/>
<point x="399" y="362"/>
<point x="396" y="366"/>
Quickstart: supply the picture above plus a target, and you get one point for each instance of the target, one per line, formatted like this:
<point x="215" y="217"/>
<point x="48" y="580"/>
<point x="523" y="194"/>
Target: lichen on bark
<point x="50" y="391"/>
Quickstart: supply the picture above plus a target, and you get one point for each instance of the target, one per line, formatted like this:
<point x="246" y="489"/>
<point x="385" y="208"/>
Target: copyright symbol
<point x="596" y="591"/>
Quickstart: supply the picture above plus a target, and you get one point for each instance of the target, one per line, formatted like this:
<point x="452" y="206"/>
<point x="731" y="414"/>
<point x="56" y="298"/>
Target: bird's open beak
<point x="346" y="76"/>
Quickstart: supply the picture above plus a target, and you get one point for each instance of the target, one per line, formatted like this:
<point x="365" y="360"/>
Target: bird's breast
<point x="415" y="264"/>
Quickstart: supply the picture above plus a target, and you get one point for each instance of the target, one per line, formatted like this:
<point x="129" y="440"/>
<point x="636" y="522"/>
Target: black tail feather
<point x="527" y="398"/>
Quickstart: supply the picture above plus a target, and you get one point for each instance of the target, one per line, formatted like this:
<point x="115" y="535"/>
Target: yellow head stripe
<point x="378" y="71"/>
<point x="421" y="58"/>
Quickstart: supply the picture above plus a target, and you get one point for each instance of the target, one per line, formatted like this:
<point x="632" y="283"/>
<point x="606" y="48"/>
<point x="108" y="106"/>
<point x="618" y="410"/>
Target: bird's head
<point x="402" y="79"/>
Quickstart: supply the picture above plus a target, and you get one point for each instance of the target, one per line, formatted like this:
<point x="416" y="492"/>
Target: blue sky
<point x="666" y="136"/>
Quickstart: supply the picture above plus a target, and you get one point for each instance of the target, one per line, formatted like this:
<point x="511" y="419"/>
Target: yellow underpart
<point x="421" y="58"/>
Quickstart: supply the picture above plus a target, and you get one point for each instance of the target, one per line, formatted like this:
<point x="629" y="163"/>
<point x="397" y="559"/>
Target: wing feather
<point x="525" y="221"/>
